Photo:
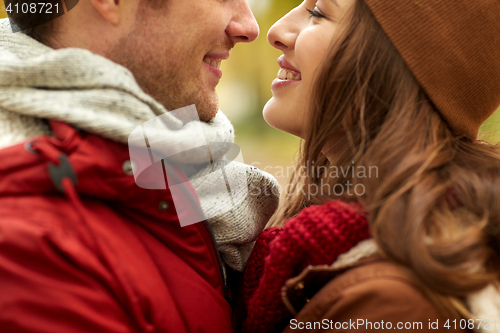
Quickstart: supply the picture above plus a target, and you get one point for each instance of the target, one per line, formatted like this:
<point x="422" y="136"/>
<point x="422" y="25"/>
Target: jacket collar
<point x="98" y="163"/>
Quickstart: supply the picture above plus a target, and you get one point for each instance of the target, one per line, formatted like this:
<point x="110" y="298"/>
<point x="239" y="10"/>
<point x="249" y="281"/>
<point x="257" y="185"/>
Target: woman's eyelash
<point x="315" y="13"/>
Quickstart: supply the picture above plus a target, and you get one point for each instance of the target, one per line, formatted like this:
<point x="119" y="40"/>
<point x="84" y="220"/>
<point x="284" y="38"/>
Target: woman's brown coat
<point x="374" y="291"/>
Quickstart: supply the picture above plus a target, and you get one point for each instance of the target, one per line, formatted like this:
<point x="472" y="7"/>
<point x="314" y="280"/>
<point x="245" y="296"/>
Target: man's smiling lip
<point x="213" y="61"/>
<point x="218" y="55"/>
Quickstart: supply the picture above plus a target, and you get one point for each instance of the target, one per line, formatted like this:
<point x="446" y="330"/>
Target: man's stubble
<point x="172" y="78"/>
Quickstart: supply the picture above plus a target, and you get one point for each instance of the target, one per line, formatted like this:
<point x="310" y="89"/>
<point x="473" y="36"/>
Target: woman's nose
<point x="283" y="33"/>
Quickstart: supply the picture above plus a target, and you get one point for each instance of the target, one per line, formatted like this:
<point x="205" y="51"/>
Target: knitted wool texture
<point x="316" y="236"/>
<point x="453" y="49"/>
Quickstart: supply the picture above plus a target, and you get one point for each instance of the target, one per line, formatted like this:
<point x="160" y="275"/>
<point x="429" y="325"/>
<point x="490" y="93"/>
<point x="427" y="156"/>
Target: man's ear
<point x="109" y="10"/>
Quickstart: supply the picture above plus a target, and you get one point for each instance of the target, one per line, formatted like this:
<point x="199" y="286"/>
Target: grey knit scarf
<point x="95" y="94"/>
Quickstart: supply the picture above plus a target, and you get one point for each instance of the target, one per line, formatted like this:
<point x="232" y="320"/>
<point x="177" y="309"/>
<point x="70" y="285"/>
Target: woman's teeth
<point x="285" y="74"/>
<point x="214" y="62"/>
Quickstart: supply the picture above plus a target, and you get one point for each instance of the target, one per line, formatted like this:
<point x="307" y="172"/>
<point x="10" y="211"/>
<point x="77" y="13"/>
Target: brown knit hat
<point x="453" y="49"/>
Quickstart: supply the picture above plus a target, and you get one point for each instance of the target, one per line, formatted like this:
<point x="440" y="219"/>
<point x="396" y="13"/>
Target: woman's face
<point x="305" y="38"/>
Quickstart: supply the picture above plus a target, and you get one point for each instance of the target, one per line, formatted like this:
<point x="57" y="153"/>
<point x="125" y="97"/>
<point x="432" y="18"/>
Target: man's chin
<point x="207" y="115"/>
<point x="208" y="108"/>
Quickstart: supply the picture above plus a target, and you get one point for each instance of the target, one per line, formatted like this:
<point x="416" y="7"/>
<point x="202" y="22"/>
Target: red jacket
<point x="103" y="255"/>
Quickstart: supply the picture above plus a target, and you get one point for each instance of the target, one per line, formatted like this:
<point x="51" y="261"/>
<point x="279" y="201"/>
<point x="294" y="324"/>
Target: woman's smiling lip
<point x="279" y="83"/>
<point x="283" y="63"/>
<point x="287" y="75"/>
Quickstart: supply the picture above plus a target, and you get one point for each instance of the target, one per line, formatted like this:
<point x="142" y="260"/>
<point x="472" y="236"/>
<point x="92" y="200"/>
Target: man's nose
<point x="243" y="27"/>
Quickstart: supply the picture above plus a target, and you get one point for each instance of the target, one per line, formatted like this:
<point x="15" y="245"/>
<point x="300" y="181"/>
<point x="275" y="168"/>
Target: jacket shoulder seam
<point x="353" y="278"/>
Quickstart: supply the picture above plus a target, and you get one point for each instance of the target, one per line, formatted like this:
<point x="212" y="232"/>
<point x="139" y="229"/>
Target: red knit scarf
<point x="316" y="236"/>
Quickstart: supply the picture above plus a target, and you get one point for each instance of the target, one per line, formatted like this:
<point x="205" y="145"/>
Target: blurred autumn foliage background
<point x="245" y="88"/>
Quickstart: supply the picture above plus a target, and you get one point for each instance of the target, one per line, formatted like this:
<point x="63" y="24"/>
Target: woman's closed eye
<point x="315" y="13"/>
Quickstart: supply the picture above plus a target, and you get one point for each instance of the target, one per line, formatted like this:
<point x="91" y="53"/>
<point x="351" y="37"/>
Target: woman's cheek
<point x="312" y="46"/>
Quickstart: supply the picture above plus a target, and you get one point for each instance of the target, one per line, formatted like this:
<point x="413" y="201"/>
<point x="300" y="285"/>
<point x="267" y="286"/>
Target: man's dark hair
<point x="40" y="25"/>
<point x="36" y="19"/>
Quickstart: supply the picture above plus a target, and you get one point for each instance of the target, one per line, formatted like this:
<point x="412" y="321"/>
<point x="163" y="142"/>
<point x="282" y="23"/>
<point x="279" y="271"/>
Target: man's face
<point x="175" y="50"/>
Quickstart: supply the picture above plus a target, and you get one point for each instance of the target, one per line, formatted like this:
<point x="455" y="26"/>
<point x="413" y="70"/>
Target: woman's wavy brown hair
<point x="434" y="204"/>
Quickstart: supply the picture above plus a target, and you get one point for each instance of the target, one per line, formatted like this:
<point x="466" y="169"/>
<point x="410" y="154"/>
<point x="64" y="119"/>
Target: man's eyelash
<point x="315" y="13"/>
